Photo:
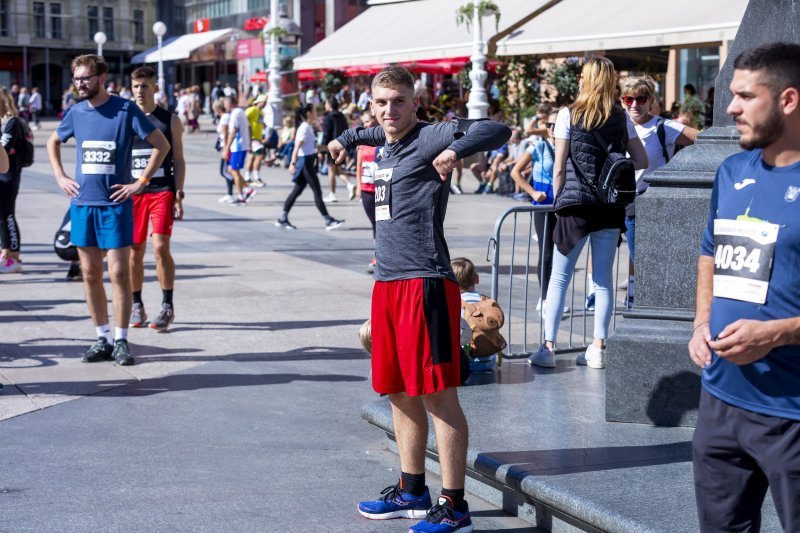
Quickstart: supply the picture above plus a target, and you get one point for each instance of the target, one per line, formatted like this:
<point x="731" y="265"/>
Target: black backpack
<point x="616" y="184"/>
<point x="24" y="147"/>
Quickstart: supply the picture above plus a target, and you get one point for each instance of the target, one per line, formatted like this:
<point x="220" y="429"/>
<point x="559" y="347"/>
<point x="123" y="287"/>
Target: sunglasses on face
<point x="628" y="100"/>
<point x="551" y="125"/>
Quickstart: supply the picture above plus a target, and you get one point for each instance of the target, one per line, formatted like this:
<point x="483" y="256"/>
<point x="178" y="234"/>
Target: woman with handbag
<point x="593" y="181"/>
<point x="12" y="137"/>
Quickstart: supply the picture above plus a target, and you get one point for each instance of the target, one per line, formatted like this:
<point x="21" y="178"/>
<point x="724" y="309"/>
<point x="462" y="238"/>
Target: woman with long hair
<point x="12" y="136"/>
<point x="579" y="160"/>
<point x="303" y="168"/>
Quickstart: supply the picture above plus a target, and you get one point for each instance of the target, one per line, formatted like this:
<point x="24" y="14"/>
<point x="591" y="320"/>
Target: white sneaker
<point x="593" y="357"/>
<point x="10" y="265"/>
<point x="226" y="199"/>
<point x="455" y="189"/>
<point x="351" y="191"/>
<point x="329" y="198"/>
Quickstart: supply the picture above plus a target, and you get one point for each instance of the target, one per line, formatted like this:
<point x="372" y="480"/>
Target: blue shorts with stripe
<point x="102" y="226"/>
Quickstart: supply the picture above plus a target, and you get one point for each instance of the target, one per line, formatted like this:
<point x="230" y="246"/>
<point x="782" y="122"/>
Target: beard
<point x="90" y="93"/>
<point x="765" y="133"/>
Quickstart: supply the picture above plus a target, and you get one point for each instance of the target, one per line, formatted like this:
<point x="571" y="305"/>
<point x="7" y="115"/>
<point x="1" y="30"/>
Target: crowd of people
<point x="589" y="161"/>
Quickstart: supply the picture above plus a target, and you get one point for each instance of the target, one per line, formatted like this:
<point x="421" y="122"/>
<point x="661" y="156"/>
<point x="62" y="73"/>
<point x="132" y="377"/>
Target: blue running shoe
<point x="589" y="305"/>
<point x="396" y="504"/>
<point x="442" y="518"/>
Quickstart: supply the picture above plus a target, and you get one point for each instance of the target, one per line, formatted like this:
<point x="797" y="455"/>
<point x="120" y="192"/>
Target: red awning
<point x="259" y="77"/>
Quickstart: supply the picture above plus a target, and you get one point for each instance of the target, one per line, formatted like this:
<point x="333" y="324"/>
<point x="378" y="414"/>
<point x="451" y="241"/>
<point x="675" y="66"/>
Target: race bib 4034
<point x="98" y="157"/>
<point x="743" y="254"/>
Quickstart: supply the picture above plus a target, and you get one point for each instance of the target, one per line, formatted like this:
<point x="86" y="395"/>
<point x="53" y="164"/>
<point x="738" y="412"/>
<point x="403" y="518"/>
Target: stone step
<point x="540" y="448"/>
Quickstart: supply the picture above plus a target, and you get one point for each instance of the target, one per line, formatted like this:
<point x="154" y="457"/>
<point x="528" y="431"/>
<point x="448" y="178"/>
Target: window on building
<point x="257" y="5"/>
<point x="93" y="16"/>
<point x="138" y="26"/>
<point x="108" y="22"/>
<point x="38" y="19"/>
<point x="55" y="21"/>
<point x="5" y="8"/>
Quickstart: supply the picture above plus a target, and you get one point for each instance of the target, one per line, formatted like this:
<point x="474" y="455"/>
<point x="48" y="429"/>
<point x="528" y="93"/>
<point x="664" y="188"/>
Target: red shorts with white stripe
<point x="154" y="208"/>
<point x="415" y="336"/>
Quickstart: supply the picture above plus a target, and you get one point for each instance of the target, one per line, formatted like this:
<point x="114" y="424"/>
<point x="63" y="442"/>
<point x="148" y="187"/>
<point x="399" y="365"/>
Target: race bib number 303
<point x="743" y="254"/>
<point x="383" y="194"/>
<point x="139" y="159"/>
<point x="98" y="157"/>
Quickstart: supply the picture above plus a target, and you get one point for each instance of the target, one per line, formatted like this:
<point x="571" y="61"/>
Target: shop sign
<point x="255" y="23"/>
<point x="201" y="25"/>
<point x="247" y="48"/>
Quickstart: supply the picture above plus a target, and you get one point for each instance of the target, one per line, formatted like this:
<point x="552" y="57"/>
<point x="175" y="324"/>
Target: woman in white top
<point x="222" y="135"/>
<point x="579" y="219"/>
<point x="303" y="168"/>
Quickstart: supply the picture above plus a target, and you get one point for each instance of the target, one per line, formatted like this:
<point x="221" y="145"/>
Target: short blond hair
<point x="464" y="269"/>
<point x="365" y="336"/>
<point x="638" y="86"/>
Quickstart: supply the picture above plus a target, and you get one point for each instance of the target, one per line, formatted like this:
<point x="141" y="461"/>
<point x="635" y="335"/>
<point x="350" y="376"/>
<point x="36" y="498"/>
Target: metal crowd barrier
<point x="522" y="252"/>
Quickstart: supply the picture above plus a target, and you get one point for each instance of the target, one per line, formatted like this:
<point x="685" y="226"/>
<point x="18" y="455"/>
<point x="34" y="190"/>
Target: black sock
<point x="413" y="483"/>
<point x="167" y="296"/>
<point x="456" y="496"/>
<point x="137" y="297"/>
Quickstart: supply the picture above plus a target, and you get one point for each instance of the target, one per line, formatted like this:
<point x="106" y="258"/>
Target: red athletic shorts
<point x="155" y="208"/>
<point x="415" y="336"/>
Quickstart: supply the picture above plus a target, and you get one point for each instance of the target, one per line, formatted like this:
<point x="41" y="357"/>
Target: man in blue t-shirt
<point x="747" y="327"/>
<point x="101" y="195"/>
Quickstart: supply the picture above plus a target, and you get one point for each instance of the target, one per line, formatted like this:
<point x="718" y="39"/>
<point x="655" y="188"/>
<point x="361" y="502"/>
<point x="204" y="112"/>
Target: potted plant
<point x="465" y="13"/>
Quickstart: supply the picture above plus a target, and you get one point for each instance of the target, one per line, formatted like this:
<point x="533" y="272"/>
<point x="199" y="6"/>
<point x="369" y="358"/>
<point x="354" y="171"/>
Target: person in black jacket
<point x="578" y="162"/>
<point x="334" y="125"/>
<point x="10" y="172"/>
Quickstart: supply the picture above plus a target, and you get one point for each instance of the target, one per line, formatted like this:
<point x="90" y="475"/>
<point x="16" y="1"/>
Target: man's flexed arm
<point x="355" y="137"/>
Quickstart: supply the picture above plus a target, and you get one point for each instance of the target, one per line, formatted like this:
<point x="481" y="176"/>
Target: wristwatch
<point x="179" y="194"/>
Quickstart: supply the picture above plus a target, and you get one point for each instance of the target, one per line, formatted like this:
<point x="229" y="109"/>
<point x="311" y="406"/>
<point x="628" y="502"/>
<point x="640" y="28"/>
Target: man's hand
<point x="746" y="341"/>
<point x="539" y="196"/>
<point x="225" y="154"/>
<point x="126" y="192"/>
<point x="445" y="163"/>
<point x="698" y="346"/>
<point x="337" y="151"/>
<point x="68" y="185"/>
<point x="177" y="209"/>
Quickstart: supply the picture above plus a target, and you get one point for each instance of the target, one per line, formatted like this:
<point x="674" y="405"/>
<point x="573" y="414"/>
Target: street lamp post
<point x="274" y="98"/>
<point x="478" y="103"/>
<point x="100" y="39"/>
<point x="160" y="29"/>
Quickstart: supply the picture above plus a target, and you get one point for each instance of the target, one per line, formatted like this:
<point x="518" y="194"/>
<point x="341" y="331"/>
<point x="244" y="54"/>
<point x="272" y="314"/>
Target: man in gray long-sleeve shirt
<point x="416" y="301"/>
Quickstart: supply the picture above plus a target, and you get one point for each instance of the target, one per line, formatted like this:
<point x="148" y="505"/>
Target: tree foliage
<point x="563" y="77"/>
<point x="520" y="87"/>
<point x="333" y="81"/>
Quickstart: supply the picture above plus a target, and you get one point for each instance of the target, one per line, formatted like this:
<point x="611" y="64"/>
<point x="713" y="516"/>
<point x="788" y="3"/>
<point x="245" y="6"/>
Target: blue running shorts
<point x="236" y="160"/>
<point x="102" y="226"/>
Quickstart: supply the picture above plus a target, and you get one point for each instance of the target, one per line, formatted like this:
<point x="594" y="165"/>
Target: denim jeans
<point x="630" y="234"/>
<point x="604" y="248"/>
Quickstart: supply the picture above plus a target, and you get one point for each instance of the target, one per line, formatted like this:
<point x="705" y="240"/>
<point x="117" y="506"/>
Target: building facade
<point x="38" y="40"/>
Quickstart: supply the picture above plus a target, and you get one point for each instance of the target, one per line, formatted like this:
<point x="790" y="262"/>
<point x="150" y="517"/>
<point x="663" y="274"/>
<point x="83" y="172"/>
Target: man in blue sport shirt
<point x="101" y="205"/>
<point x="747" y="327"/>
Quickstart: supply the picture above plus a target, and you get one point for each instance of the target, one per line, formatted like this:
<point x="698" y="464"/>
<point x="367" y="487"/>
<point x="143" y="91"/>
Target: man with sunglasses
<point x="101" y="205"/>
<point x="659" y="137"/>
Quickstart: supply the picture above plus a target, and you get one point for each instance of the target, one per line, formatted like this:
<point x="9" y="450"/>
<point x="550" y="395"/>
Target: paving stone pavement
<point x="246" y="415"/>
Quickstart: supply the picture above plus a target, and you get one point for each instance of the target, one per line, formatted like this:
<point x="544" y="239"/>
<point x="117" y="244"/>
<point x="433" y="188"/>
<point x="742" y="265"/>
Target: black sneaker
<point x="74" y="273"/>
<point x="285" y="224"/>
<point x="101" y="351"/>
<point x="333" y="224"/>
<point x="164" y="319"/>
<point x="122" y="355"/>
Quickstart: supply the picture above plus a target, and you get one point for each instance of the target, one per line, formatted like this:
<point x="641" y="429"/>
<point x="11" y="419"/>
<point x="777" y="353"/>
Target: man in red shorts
<point x="416" y="301"/>
<point x="159" y="203"/>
